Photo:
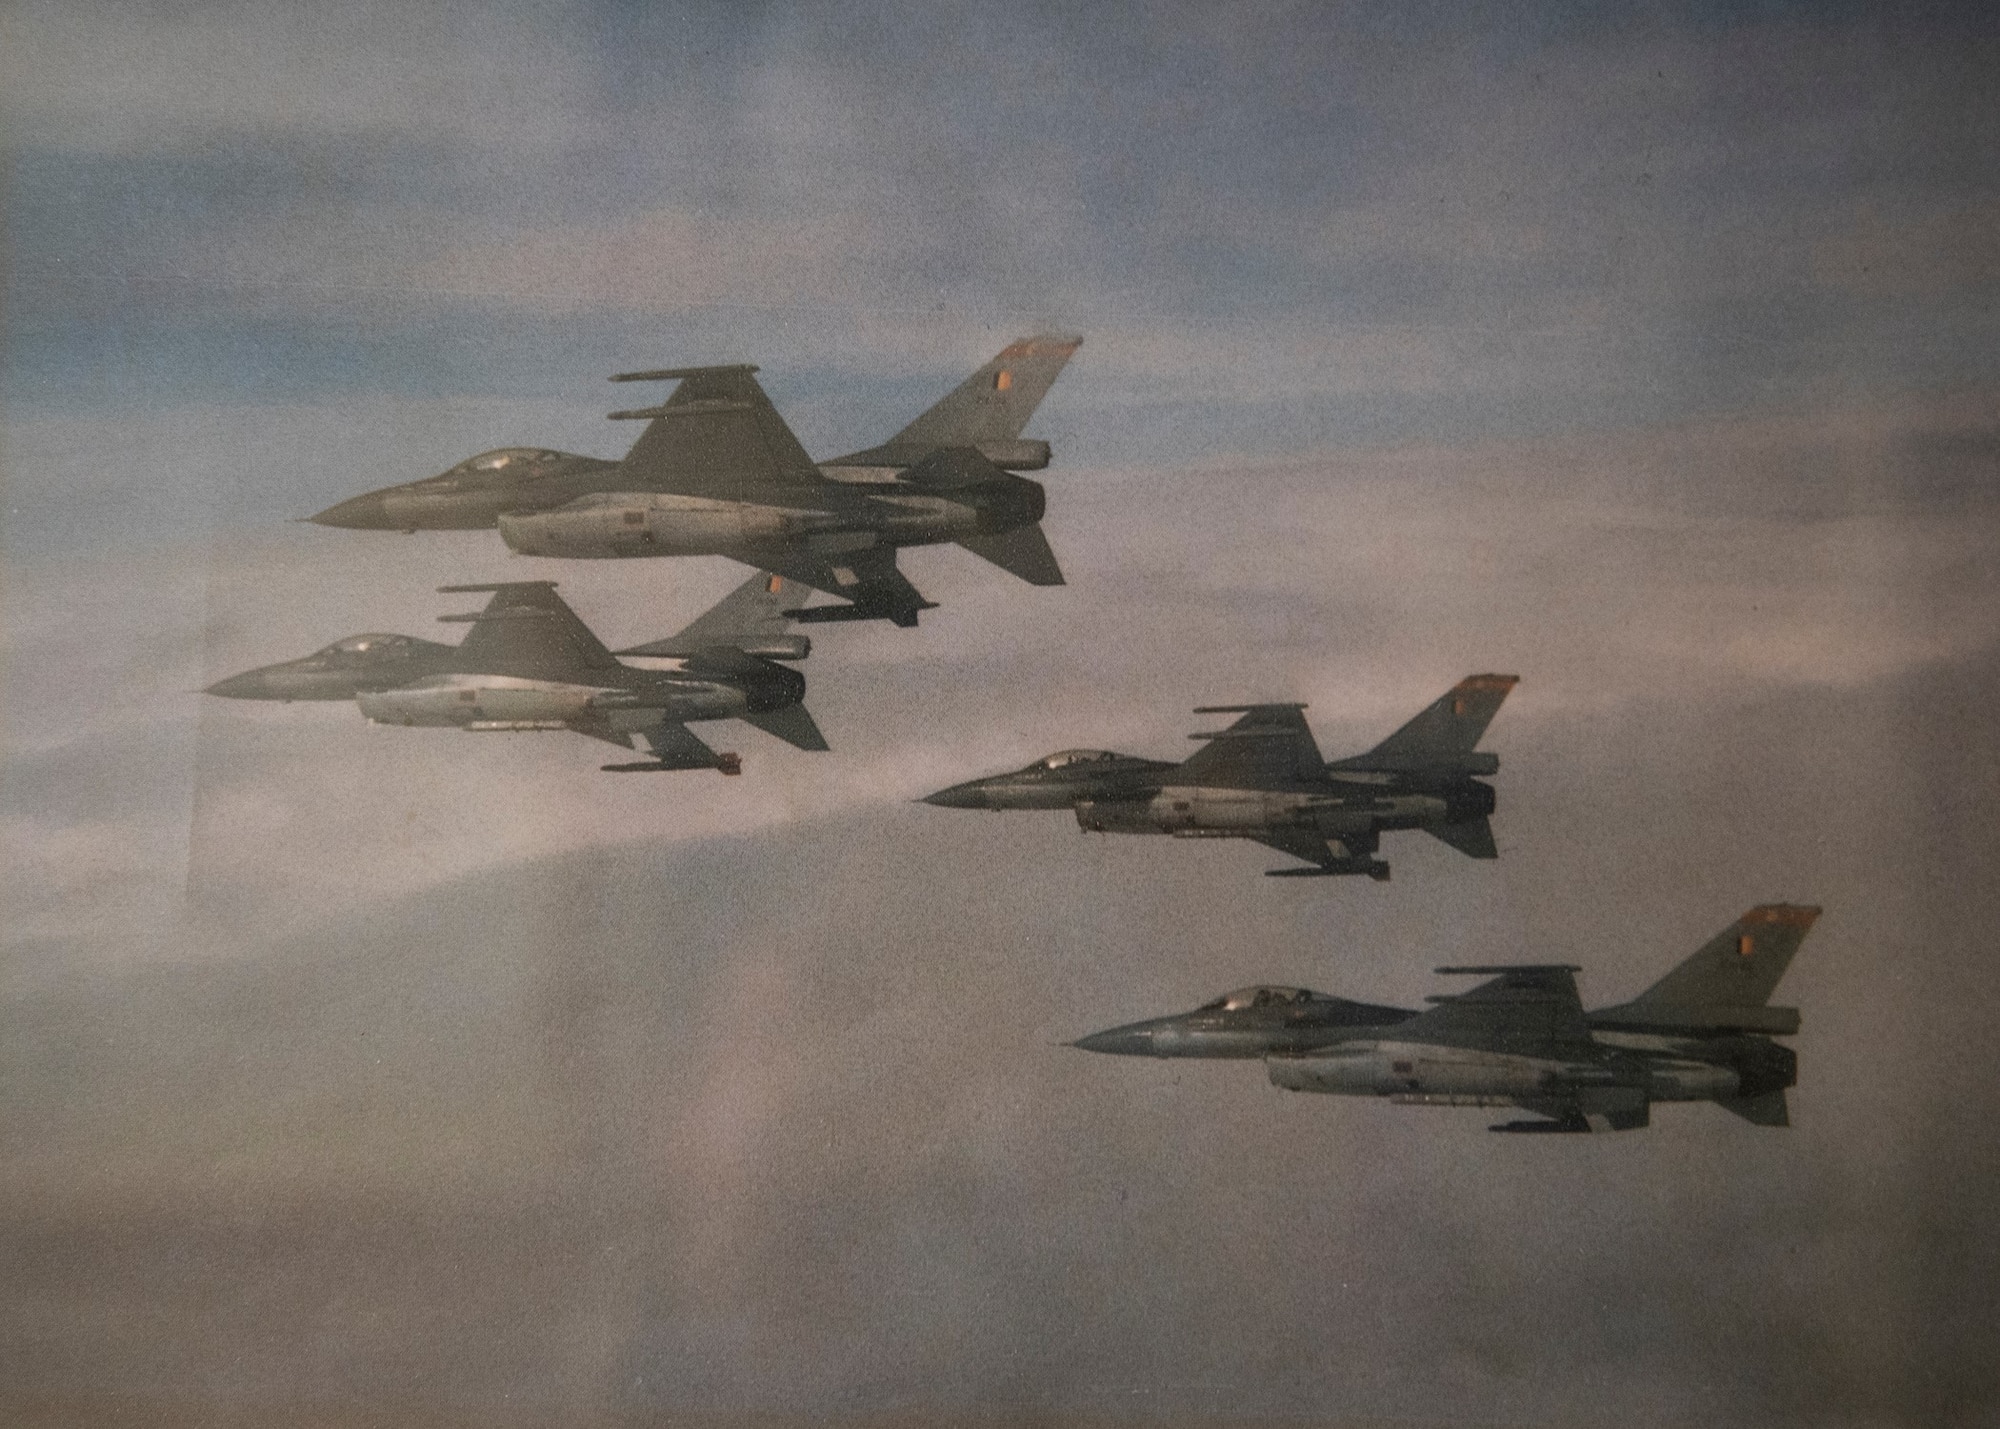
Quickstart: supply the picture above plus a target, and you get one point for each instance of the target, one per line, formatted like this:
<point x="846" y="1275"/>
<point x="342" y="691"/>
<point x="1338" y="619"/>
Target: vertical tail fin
<point x="750" y="618"/>
<point x="1446" y="731"/>
<point x="1738" y="967"/>
<point x="994" y="403"/>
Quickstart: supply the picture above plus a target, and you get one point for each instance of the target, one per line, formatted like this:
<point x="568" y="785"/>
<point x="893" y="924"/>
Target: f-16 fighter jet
<point x="1262" y="778"/>
<point x="717" y="472"/>
<point x="1701" y="1033"/>
<point x="528" y="663"/>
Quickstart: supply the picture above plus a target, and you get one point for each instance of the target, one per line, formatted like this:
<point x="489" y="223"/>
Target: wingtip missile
<point x="675" y="374"/>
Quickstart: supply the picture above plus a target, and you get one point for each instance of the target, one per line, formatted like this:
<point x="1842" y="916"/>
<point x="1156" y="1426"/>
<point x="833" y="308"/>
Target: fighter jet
<point x="717" y="472"/>
<point x="1262" y="778"/>
<point x="528" y="663"/>
<point x="1522" y="1039"/>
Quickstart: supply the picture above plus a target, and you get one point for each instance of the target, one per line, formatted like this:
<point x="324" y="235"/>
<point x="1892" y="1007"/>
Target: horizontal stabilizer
<point x="1764" y="1109"/>
<point x="1023" y="551"/>
<point x="1473" y="838"/>
<point x="791" y="724"/>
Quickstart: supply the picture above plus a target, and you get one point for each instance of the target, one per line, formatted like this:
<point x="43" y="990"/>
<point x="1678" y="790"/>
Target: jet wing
<point x="1270" y="747"/>
<point x="527" y="630"/>
<point x="1531" y="1010"/>
<point x="717" y="436"/>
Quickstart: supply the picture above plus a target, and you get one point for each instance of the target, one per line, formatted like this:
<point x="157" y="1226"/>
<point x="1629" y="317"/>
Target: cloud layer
<point x="363" y="1075"/>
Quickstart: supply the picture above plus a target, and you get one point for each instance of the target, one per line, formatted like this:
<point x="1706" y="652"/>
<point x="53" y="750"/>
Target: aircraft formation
<point x="717" y="472"/>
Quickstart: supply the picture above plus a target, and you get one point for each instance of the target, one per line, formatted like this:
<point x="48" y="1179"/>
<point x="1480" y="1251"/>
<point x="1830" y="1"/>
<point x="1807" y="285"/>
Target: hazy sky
<point x="358" y="1075"/>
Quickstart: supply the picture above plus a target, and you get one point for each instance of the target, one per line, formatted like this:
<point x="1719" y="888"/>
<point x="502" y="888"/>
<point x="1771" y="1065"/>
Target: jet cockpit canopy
<point x="1245" y="998"/>
<point x="502" y="464"/>
<point x="372" y="647"/>
<point x="1068" y="757"/>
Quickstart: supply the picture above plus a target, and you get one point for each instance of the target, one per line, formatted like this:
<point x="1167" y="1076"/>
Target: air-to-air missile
<point x="1263" y="779"/>
<point x="528" y="664"/>
<point x="1522" y="1039"/>
<point x="717" y="472"/>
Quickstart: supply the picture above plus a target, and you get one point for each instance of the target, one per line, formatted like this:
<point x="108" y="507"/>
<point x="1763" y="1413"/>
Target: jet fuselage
<point x="826" y="519"/>
<point x="1124" y="794"/>
<point x="1311" y="1042"/>
<point x="1336" y="809"/>
<point x="396" y="679"/>
<point x="549" y="503"/>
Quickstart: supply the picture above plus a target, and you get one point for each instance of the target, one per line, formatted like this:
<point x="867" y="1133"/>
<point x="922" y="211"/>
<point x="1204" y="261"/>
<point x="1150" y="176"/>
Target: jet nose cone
<point x="248" y="686"/>
<point x="357" y="513"/>
<point x="1119" y="1041"/>
<point x="960" y="796"/>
